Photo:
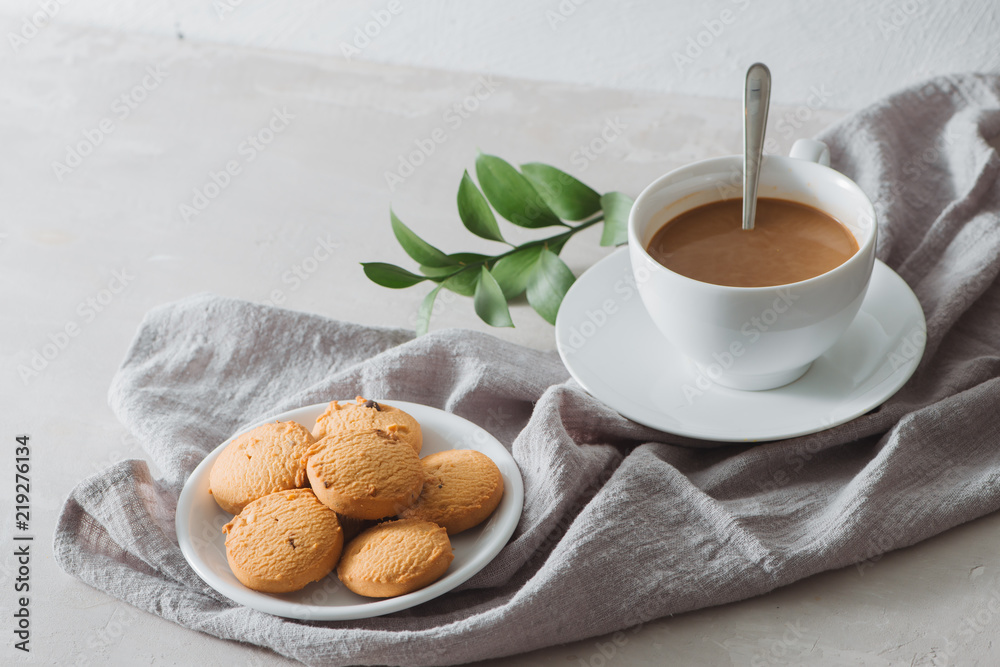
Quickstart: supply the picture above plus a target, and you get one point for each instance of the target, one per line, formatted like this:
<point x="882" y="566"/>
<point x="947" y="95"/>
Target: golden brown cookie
<point x="462" y="487"/>
<point x="283" y="541"/>
<point x="365" y="415"/>
<point x="264" y="460"/>
<point x="395" y="557"/>
<point x="365" y="474"/>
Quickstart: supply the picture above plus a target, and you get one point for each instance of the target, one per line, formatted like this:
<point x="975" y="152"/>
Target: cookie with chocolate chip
<point x="283" y="541"/>
<point x="365" y="474"/>
<point x="461" y="489"/>
<point x="263" y="460"/>
<point x="365" y="415"/>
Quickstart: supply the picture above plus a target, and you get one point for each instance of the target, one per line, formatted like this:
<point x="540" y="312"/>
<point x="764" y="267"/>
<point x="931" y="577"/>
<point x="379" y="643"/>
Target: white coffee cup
<point x="754" y="338"/>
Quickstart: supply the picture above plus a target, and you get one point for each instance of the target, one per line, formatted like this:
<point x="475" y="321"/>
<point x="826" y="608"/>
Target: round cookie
<point x="461" y="489"/>
<point x="283" y="541"/>
<point x="365" y="415"/>
<point x="365" y="474"/>
<point x="395" y="557"/>
<point x="264" y="460"/>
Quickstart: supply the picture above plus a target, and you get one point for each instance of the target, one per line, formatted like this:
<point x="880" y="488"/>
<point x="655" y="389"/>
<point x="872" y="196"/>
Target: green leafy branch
<point x="537" y="196"/>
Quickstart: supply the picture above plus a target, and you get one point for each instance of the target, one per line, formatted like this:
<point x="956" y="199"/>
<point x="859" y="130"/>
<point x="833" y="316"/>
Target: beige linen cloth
<point x="621" y="523"/>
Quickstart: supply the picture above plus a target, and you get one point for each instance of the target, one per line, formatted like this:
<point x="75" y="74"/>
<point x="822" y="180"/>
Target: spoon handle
<point x="756" y="100"/>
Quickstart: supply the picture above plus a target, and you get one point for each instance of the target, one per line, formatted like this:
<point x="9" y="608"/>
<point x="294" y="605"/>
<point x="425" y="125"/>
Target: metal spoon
<point x="756" y="100"/>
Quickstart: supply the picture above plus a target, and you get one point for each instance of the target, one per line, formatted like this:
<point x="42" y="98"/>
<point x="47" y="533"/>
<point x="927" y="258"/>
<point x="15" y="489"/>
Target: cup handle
<point x="812" y="150"/>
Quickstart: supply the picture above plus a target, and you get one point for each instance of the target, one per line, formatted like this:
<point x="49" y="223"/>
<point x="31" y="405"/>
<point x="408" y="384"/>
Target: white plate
<point x="613" y="349"/>
<point x="200" y="521"/>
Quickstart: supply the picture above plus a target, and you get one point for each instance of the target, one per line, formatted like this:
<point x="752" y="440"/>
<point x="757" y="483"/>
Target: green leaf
<point x="421" y="251"/>
<point x="426" y="308"/>
<point x="460" y="259"/>
<point x="464" y="258"/>
<point x="435" y="272"/>
<point x="476" y="214"/>
<point x="512" y="272"/>
<point x="617" y="206"/>
<point x="511" y="194"/>
<point x="489" y="302"/>
<point x="548" y="284"/>
<point x="566" y="196"/>
<point x="390" y="275"/>
<point x="557" y="245"/>
<point x="464" y="282"/>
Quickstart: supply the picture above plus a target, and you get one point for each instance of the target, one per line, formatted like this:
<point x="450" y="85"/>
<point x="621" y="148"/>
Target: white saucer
<point x="200" y="520"/>
<point x="613" y="349"/>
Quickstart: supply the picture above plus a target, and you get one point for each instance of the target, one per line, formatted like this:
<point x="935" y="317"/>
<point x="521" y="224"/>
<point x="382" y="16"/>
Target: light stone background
<point x="548" y="87"/>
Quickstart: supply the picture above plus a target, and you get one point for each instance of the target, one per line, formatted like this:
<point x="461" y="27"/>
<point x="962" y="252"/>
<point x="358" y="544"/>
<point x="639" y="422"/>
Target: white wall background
<point x="852" y="51"/>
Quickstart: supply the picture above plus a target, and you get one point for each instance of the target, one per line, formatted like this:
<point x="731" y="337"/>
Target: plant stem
<point x="557" y="237"/>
